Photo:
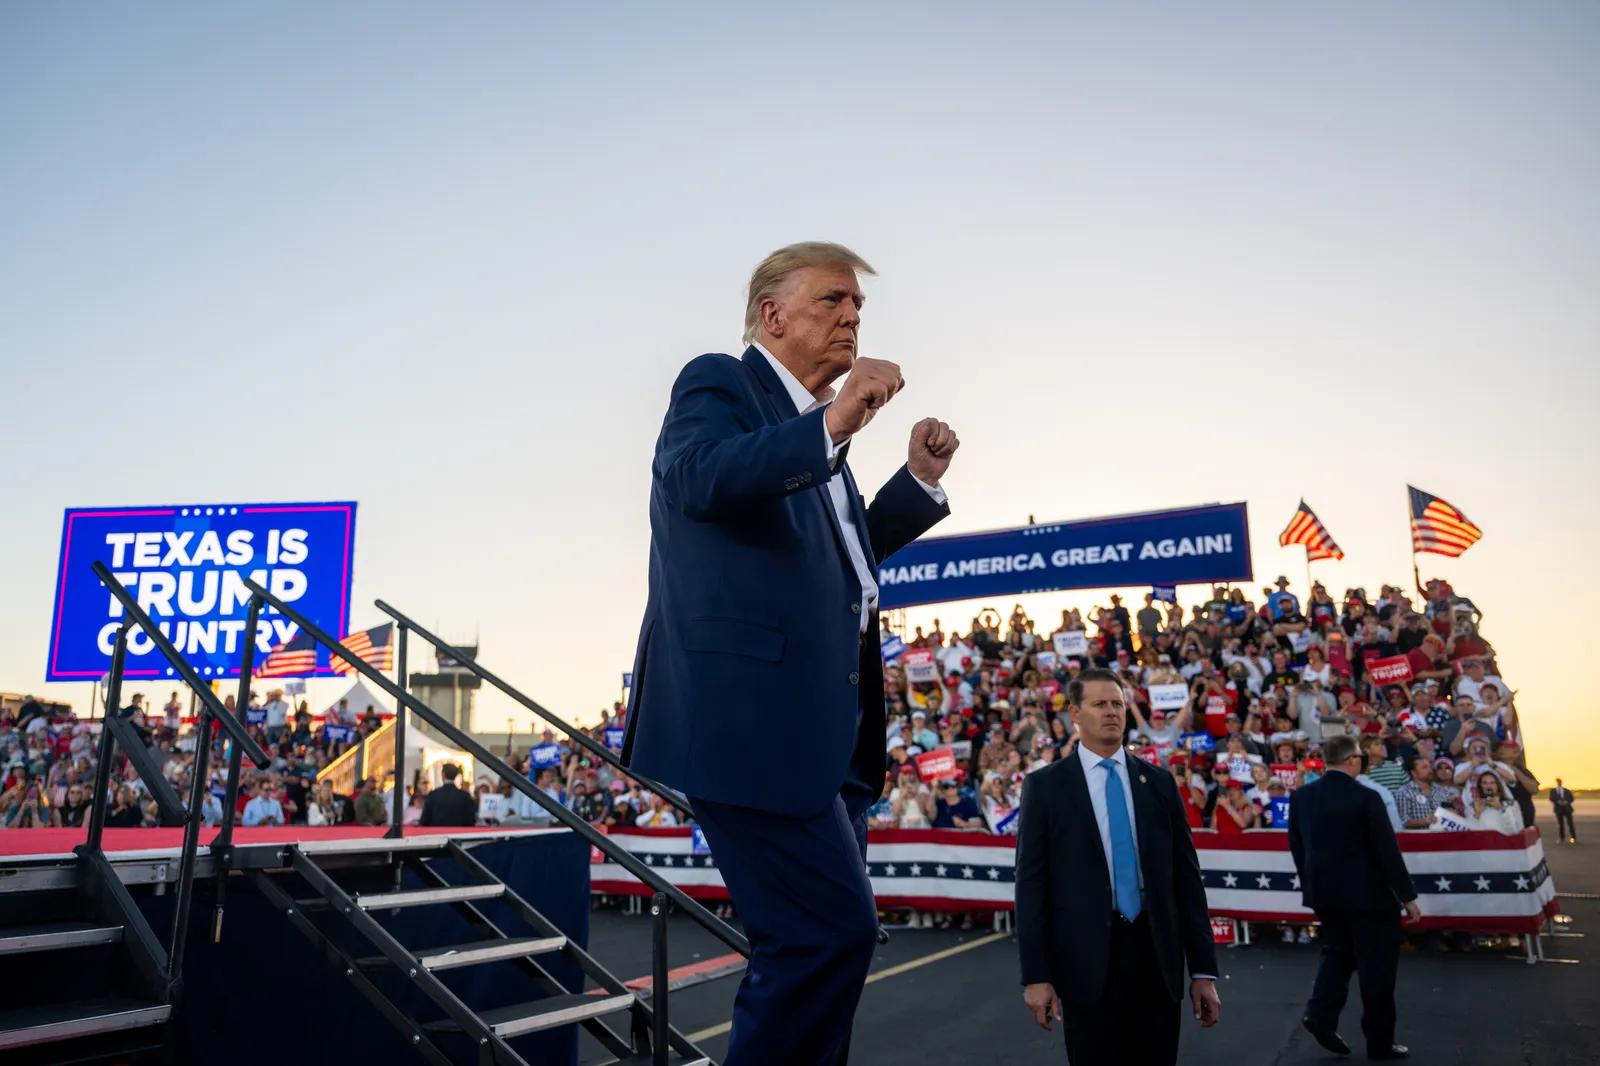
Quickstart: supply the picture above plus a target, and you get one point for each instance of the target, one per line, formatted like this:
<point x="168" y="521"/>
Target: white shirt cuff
<point x="1202" y="977"/>
<point x="833" y="449"/>
<point x="934" y="491"/>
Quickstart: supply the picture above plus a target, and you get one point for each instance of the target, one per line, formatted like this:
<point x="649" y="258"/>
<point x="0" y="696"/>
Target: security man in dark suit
<point x="448" y="805"/>
<point x="1353" y="876"/>
<point x="1110" y="904"/>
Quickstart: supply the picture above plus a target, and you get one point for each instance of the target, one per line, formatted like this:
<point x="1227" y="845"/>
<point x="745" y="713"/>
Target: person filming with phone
<point x="1353" y="876"/>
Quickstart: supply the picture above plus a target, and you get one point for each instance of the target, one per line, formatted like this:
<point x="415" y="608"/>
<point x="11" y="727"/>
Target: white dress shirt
<point x="1095" y="774"/>
<point x="838" y="491"/>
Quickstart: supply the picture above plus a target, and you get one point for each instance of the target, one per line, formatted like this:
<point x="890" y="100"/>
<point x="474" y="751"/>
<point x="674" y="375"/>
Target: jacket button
<point x="855" y="678"/>
<point x="805" y="478"/>
<point x="855" y="608"/>
<point x="791" y="484"/>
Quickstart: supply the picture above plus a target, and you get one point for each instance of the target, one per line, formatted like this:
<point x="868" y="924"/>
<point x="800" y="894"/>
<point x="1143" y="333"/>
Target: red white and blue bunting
<point x="1482" y="881"/>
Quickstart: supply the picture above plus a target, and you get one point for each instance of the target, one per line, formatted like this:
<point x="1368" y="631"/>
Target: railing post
<point x="222" y="843"/>
<point x="191" y="841"/>
<point x="397" y="819"/>
<point x="102" y="772"/>
<point x="658" y="979"/>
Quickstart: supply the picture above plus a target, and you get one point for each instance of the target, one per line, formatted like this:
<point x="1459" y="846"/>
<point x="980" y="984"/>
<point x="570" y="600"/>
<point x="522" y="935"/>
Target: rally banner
<point x="932" y="765"/>
<point x="1208" y="545"/>
<point x="1482" y="881"/>
<point x="1395" y="670"/>
<point x="186" y="566"/>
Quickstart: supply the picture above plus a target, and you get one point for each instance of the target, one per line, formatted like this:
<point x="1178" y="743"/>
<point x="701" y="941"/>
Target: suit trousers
<point x="1367" y="945"/>
<point x="1135" y="1023"/>
<point x="1564" y="824"/>
<point x="801" y="890"/>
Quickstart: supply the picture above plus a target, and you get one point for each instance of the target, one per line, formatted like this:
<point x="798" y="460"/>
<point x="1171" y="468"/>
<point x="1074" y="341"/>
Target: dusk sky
<point x="448" y="262"/>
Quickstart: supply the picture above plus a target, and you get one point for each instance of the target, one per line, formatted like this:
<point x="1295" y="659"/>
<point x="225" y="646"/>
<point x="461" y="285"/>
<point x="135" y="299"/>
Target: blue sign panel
<point x="614" y="737"/>
<point x="544" y="756"/>
<point x="186" y="566"/>
<point x="1200" y="545"/>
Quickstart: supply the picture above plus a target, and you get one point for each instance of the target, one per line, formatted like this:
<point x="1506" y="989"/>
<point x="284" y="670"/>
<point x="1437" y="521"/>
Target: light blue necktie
<point x="1124" y="856"/>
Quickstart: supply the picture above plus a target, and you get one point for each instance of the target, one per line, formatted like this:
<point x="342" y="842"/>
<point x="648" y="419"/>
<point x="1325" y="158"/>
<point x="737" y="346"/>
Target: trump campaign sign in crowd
<point x="186" y="566"/>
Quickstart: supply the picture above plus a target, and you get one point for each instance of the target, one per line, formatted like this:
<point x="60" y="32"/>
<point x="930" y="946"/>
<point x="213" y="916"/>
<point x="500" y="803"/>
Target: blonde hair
<point x="767" y="280"/>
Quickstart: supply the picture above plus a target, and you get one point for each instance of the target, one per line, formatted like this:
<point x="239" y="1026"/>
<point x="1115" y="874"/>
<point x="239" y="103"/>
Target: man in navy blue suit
<point x="763" y="609"/>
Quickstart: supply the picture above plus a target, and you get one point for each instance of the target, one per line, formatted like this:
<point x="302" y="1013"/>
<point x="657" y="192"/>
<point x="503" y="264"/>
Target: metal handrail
<point x="466" y="742"/>
<point x="144" y="764"/>
<point x="583" y="740"/>
<point x="117" y="732"/>
<point x="235" y="728"/>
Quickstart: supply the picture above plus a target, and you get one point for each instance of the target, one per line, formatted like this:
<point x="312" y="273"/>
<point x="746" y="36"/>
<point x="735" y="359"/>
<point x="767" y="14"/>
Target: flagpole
<point x="1416" y="575"/>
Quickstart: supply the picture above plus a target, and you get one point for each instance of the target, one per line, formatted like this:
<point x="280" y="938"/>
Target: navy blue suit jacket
<point x="751" y="670"/>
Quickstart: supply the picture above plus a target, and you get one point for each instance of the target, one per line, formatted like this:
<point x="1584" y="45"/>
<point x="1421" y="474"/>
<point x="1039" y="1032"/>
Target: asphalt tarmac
<point x="947" y="998"/>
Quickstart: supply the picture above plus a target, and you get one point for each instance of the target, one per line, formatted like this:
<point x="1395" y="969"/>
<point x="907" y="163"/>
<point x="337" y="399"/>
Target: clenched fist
<point x="932" y="444"/>
<point x="872" y="383"/>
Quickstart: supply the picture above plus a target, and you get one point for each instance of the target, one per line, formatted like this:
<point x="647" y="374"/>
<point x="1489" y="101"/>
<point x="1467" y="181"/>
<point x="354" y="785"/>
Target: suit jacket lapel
<point x="1078" y="790"/>
<point x="783" y="407"/>
<point x="857" y="511"/>
<point x="1143" y="804"/>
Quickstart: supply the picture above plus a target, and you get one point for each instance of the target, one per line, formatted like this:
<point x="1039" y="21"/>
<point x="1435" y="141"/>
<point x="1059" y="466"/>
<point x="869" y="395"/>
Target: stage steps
<point x="81" y="971"/>
<point x="332" y="910"/>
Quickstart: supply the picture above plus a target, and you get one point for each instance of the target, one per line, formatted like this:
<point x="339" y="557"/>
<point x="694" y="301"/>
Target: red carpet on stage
<point x="40" y="843"/>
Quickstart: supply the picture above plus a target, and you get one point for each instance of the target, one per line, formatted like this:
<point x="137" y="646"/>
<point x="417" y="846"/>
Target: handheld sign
<point x="1223" y="931"/>
<point x="1300" y="641"/>
<point x="1394" y="670"/>
<point x="892" y="647"/>
<point x="697" y="841"/>
<point x="933" y="765"/>
<point x="1198" y="741"/>
<point x="1168" y="697"/>
<point x="1284" y="772"/>
<point x="1279" y="812"/>
<point x="1165" y="593"/>
<point x="1072" y="642"/>
<point x="920" y="666"/>
<point x="339" y="734"/>
<point x="1046" y="660"/>
<point x="545" y="755"/>
<point x="961" y="749"/>
<point x="614" y="738"/>
<point x="491" y="807"/>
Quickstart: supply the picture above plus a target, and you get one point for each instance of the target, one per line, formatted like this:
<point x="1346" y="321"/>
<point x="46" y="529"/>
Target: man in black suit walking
<point x="1110" y="904"/>
<point x="1353" y="876"/>
<point x="448" y="805"/>
<point x="1561" y="802"/>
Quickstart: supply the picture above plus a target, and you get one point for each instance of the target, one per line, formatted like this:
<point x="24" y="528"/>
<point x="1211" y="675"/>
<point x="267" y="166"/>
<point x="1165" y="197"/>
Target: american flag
<point x="1438" y="527"/>
<point x="1306" y="528"/>
<point x="375" y="645"/>
<point x="293" y="658"/>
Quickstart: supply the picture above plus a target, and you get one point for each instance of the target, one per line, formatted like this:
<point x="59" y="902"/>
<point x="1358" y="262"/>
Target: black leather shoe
<point x="1396" y="1051"/>
<point x="1326" y="1036"/>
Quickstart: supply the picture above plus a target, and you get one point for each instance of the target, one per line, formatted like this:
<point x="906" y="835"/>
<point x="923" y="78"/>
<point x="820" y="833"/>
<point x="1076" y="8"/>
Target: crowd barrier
<point x="1478" y="881"/>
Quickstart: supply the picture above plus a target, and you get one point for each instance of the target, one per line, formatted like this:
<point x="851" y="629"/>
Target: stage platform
<point x="240" y="991"/>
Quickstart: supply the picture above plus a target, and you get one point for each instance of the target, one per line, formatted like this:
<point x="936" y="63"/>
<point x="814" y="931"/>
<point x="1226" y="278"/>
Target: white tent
<point x="359" y="697"/>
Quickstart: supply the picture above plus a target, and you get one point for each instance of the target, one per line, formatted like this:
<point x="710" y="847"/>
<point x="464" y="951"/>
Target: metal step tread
<point x="673" y="1059"/>
<point x="478" y="952"/>
<point x="546" y="1013"/>
<point x="55" y="936"/>
<point x="84" y="1017"/>
<point x="422" y="896"/>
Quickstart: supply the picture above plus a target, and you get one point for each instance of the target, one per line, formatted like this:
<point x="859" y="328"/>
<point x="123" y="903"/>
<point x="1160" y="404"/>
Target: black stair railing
<point x="582" y="739"/>
<point x="165" y="969"/>
<point x="466" y="742"/>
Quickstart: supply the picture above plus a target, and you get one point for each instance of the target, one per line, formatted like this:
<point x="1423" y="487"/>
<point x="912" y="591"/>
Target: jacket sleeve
<point x="1033" y="885"/>
<point x="1386" y="847"/>
<point x="712" y="461"/>
<point x="1297" y="847"/>
<point x="900" y="513"/>
<point x="1189" y="890"/>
